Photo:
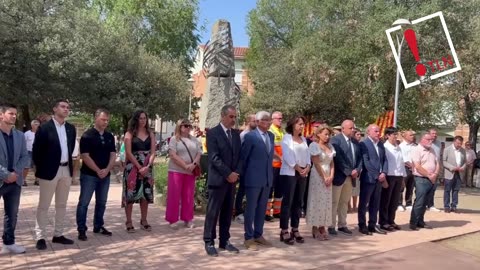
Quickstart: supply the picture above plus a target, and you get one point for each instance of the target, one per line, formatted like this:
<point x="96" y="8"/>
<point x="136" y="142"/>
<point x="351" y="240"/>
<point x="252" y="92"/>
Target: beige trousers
<point x="60" y="186"/>
<point x="340" y="197"/>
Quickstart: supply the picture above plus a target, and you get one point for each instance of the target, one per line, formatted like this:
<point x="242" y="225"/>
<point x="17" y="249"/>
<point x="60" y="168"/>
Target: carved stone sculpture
<point x="219" y="68"/>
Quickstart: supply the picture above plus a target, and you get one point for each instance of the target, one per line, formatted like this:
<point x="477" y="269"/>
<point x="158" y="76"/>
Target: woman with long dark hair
<point x="294" y="170"/>
<point x="137" y="178"/>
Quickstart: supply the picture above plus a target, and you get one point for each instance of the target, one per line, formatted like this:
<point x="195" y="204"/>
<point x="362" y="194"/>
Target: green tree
<point x="333" y="61"/>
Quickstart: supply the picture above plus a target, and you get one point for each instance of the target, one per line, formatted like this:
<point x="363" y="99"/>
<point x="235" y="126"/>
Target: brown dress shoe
<point x="251" y="245"/>
<point x="262" y="241"/>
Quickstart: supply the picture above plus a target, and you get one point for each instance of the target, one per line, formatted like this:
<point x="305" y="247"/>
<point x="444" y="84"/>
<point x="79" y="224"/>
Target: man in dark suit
<point x="347" y="168"/>
<point x="52" y="155"/>
<point x="257" y="158"/>
<point x="372" y="179"/>
<point x="13" y="160"/>
<point x="223" y="144"/>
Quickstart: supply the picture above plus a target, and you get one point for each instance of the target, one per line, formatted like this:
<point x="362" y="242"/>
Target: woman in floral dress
<point x="137" y="177"/>
<point x="319" y="204"/>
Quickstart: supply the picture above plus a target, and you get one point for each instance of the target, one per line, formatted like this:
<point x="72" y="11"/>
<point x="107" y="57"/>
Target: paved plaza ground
<point x="164" y="248"/>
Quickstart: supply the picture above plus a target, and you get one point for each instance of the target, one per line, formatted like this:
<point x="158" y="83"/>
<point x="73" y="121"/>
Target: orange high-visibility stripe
<point x="269" y="208"/>
<point x="277" y="206"/>
<point x="278" y="137"/>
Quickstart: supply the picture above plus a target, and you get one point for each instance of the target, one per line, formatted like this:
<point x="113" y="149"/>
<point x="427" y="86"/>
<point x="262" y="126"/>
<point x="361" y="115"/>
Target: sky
<point x="234" y="11"/>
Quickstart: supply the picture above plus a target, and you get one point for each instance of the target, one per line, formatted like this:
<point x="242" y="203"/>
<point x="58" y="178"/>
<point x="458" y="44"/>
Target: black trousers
<point x="409" y="186"/>
<point x="219" y="207"/>
<point x="370" y="195"/>
<point x="389" y="199"/>
<point x="293" y="191"/>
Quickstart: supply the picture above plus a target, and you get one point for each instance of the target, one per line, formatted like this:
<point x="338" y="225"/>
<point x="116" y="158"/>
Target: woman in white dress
<point x="319" y="205"/>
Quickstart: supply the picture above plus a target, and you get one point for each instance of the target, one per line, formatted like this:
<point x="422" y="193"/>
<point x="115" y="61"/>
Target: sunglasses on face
<point x="187" y="126"/>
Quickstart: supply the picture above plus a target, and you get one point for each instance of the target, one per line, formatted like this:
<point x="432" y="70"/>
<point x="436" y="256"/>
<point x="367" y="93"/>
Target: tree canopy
<point x="333" y="61"/>
<point x="119" y="55"/>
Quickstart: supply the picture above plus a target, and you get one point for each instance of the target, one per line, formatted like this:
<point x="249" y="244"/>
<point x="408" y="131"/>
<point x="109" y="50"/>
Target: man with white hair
<point x="426" y="167"/>
<point x="257" y="171"/>
<point x="29" y="138"/>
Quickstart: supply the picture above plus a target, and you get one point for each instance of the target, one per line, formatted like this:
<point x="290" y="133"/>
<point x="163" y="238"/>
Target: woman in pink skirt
<point x="185" y="152"/>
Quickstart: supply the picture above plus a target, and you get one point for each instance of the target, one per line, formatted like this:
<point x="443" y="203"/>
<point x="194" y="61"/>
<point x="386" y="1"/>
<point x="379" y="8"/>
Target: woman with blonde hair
<point x="319" y="204"/>
<point x="185" y="152"/>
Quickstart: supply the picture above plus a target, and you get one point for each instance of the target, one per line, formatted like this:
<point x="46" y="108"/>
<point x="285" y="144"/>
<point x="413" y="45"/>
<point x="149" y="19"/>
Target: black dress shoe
<point x="377" y="230"/>
<point x="103" y="231"/>
<point x="82" y="236"/>
<point x="229" y="247"/>
<point x="269" y="218"/>
<point x="364" y="231"/>
<point x="332" y="231"/>
<point x="413" y="227"/>
<point x="395" y="227"/>
<point x="345" y="231"/>
<point x="62" y="240"/>
<point x="210" y="249"/>
<point x="424" y="226"/>
<point x="41" y="244"/>
<point x="387" y="228"/>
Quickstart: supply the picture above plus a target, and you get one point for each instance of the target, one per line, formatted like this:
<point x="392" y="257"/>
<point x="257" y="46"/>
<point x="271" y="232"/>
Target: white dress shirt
<point x="29" y="138"/>
<point x="62" y="137"/>
<point x="394" y="155"/>
<point x="458" y="157"/>
<point x="406" y="150"/>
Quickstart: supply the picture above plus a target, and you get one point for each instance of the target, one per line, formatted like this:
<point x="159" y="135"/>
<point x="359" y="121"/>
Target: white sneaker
<point x="433" y="209"/>
<point x="409" y="208"/>
<point x="240" y="219"/>
<point x="15" y="249"/>
<point x="400" y="208"/>
<point x="189" y="225"/>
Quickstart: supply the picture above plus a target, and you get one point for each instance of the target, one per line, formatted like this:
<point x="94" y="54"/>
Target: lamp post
<point x="190" y="81"/>
<point x="399" y="22"/>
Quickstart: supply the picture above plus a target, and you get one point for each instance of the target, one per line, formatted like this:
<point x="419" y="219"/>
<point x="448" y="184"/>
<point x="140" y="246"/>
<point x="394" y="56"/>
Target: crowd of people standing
<point x="279" y="172"/>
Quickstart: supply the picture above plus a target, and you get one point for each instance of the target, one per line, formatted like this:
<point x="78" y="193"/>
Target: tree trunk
<point x="26" y="118"/>
<point x="125" y="122"/>
<point x="472" y="134"/>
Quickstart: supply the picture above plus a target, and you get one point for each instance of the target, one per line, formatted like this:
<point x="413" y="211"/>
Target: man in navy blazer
<point x="13" y="160"/>
<point x="223" y="144"/>
<point x="372" y="177"/>
<point x="257" y="158"/>
<point x="348" y="164"/>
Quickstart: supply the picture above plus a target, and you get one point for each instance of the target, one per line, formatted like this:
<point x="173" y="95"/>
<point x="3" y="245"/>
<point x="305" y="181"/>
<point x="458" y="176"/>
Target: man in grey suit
<point x="257" y="158"/>
<point x="454" y="163"/>
<point x="13" y="160"/>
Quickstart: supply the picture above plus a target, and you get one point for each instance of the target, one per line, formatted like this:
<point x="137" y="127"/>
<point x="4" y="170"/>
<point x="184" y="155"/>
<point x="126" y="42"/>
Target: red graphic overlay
<point x="411" y="38"/>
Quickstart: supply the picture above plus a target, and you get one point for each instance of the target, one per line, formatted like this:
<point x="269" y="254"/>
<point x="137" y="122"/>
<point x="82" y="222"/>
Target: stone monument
<point x="219" y="68"/>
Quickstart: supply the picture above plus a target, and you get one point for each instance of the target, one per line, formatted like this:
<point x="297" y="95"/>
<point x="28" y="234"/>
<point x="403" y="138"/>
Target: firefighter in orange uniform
<point x="276" y="194"/>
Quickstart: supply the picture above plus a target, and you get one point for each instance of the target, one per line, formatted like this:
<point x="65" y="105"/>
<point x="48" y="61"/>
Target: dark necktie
<point x="229" y="136"/>
<point x="267" y="141"/>
<point x="349" y="143"/>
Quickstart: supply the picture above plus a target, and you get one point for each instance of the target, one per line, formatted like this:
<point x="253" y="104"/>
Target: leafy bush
<point x="160" y="172"/>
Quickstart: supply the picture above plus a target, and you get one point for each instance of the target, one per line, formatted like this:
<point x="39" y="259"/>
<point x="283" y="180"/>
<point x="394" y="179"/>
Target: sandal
<point x="130" y="228"/>
<point x="296" y="235"/>
<point x="286" y="238"/>
<point x="145" y="226"/>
